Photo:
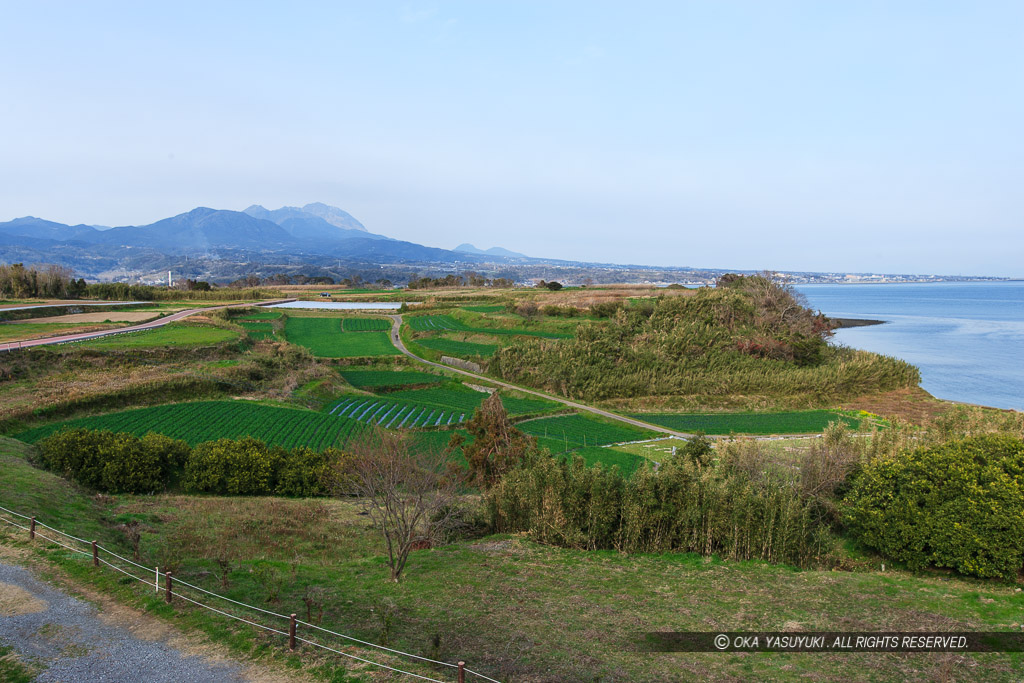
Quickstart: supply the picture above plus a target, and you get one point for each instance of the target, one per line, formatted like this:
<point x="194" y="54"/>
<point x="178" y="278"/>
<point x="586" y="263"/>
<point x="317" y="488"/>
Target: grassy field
<point x="461" y="349"/>
<point x="793" y="422"/>
<point x="208" y="420"/>
<point x="261" y="315"/>
<point x="365" y="324"/>
<point x="324" y="338"/>
<point x="487" y="308"/>
<point x="377" y="379"/>
<point x="513" y="609"/>
<point x="581" y="430"/>
<point x="446" y="323"/>
<point x="23" y="331"/>
<point x="258" y="330"/>
<point x="173" y="334"/>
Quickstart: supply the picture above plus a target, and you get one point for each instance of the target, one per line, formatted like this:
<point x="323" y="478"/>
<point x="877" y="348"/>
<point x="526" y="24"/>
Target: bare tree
<point x="407" y="493"/>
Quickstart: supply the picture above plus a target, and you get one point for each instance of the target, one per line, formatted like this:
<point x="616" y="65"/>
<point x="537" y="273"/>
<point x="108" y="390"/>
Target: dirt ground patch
<point x="98" y="317"/>
<point x="15" y="600"/>
<point x="913" y="404"/>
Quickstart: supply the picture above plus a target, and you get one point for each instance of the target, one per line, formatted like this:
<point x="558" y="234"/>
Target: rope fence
<point x="172" y="589"/>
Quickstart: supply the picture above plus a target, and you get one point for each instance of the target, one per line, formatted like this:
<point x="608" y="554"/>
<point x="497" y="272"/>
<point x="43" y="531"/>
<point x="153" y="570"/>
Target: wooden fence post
<point x="169" y="588"/>
<point x="291" y="633"/>
<point x="95" y="555"/>
<point x="462" y="672"/>
<point x="32" y="529"/>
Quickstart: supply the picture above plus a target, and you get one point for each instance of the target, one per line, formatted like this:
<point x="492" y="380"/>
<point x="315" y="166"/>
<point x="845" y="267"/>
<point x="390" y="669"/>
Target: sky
<point x="824" y="136"/>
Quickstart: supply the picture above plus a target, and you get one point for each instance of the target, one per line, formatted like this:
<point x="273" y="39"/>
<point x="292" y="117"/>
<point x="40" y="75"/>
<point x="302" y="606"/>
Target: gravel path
<point x="70" y="641"/>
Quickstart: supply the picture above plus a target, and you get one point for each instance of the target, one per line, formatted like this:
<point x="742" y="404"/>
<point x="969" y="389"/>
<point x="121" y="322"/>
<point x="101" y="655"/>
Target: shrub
<point x="958" y="505"/>
<point x="305" y="472"/>
<point x="114" y="462"/>
<point x="243" y="467"/>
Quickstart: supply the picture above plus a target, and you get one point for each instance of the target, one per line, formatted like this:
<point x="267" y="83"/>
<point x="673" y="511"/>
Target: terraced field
<point x="377" y="379"/>
<point x="794" y="422"/>
<point x="428" y="407"/>
<point x="565" y="432"/>
<point x="365" y="325"/>
<point x="489" y="308"/>
<point x="173" y="334"/>
<point x="208" y="420"/>
<point x="325" y="339"/>
<point x="260" y="315"/>
<point x="446" y="323"/>
<point x="259" y="330"/>
<point x="461" y="349"/>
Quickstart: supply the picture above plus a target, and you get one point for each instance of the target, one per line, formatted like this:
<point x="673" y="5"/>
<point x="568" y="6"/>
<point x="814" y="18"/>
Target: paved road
<point x="396" y="324"/>
<point x="159" y="322"/>
<point x="70" y="640"/>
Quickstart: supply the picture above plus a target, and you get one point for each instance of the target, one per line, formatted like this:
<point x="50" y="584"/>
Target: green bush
<point x="305" y="472"/>
<point x="957" y="505"/>
<point x="245" y="467"/>
<point x="113" y="462"/>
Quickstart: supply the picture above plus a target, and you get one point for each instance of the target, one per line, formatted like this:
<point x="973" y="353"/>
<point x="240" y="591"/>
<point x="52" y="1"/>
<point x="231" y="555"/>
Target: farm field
<point x="365" y="324"/>
<point x="377" y="379"/>
<point x="454" y="347"/>
<point x="260" y="315"/>
<point x="446" y="323"/>
<point x="172" y="334"/>
<point x="325" y="338"/>
<point x="208" y="420"/>
<point x="33" y="330"/>
<point x="488" y="308"/>
<point x="258" y="330"/>
<point x="433" y="407"/>
<point x="572" y="431"/>
<point x="793" y="422"/>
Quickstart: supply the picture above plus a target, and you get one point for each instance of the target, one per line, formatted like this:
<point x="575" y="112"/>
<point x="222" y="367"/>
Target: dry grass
<point x="102" y="316"/>
<point x="912" y="404"/>
<point x="15" y="600"/>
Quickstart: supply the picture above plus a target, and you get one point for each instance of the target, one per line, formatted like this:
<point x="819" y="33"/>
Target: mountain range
<point x="256" y="234"/>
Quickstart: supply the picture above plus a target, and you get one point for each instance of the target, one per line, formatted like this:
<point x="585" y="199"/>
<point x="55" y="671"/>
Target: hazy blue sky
<point x="862" y="136"/>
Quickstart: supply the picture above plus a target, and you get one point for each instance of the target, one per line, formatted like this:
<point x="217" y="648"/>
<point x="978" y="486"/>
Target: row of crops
<point x="792" y="422"/>
<point x="392" y="414"/>
<point x="365" y="324"/>
<point x="381" y="379"/>
<point x="209" y="420"/>
<point x="565" y="432"/>
<point x="461" y="349"/>
<point x="258" y="330"/>
<point x="325" y="339"/>
<point x="446" y="323"/>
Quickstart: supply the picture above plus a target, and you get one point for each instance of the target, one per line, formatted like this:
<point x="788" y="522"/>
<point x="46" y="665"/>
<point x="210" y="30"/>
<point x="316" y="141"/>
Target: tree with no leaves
<point x="408" y="494"/>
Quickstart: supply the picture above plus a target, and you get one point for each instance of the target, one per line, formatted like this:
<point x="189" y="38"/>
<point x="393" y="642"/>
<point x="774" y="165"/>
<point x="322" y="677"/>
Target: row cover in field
<point x="454" y="347"/>
<point x="580" y="430"/>
<point x="794" y="422"/>
<point x="388" y="378"/>
<point x="427" y="407"/>
<point x="365" y="324"/>
<point x="324" y="338"/>
<point x="394" y="414"/>
<point x="209" y="420"/>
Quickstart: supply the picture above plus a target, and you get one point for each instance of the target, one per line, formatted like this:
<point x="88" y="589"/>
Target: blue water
<point x="967" y="338"/>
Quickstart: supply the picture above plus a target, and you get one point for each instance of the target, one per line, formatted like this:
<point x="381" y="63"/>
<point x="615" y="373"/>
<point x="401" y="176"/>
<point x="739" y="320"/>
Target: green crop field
<point x="428" y="407"/>
<point x="572" y="431"/>
<point x="365" y="324"/>
<point x="261" y="315"/>
<point x="258" y="330"/>
<point x="453" y="347"/>
<point x="795" y="422"/>
<point x="445" y="323"/>
<point x="490" y="308"/>
<point x="324" y="338"/>
<point x="435" y="323"/>
<point x="368" y="379"/>
<point x="168" y="335"/>
<point x="208" y="420"/>
<point x="607" y="457"/>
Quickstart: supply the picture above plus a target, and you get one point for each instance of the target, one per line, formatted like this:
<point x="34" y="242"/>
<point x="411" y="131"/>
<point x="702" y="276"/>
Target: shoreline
<point x="845" y="323"/>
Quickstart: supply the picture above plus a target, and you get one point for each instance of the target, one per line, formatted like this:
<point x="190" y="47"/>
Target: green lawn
<point x="324" y="338"/>
<point x="172" y="334"/>
<point x="793" y="422"/>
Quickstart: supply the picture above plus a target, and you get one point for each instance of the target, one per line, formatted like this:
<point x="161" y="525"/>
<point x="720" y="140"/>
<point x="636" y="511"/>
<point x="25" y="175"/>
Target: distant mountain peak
<point x="467" y="248"/>
<point x="334" y="216"/>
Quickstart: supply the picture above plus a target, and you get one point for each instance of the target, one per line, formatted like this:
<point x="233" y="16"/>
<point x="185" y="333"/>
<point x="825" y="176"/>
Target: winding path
<point x="152" y="324"/>
<point x="396" y="325"/>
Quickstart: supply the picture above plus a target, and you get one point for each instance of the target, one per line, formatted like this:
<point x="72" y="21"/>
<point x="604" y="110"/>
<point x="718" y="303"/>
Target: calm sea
<point x="967" y="338"/>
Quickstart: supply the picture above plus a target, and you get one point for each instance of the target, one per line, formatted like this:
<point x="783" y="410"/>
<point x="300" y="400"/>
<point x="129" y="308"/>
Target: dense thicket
<point x="120" y="462"/>
<point x="748" y="336"/>
<point x="45" y="282"/>
<point x="687" y="505"/>
<point x="958" y="505"/>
